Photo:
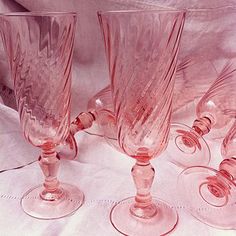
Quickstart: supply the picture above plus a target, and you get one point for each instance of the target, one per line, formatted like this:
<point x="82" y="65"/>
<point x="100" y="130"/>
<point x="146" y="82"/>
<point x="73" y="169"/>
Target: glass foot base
<point x="162" y="223"/>
<point x="36" y="207"/>
<point x="186" y="147"/>
<point x="209" y="195"/>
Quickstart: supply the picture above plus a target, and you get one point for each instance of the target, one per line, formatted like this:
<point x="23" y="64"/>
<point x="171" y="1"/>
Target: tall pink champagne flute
<point x="39" y="47"/>
<point x="142" y="49"/>
<point x="210" y="194"/>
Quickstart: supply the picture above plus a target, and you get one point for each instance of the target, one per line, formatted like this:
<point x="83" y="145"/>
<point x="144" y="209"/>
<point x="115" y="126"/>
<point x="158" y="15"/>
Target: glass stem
<point x="217" y="186"/>
<point x="143" y="174"/>
<point x="228" y="168"/>
<point x="83" y="121"/>
<point x="49" y="163"/>
<point x="202" y="125"/>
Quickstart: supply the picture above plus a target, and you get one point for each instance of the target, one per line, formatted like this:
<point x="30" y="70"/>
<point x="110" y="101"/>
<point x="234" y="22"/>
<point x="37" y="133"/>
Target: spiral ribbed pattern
<point x="228" y="146"/>
<point x="219" y="102"/>
<point x="142" y="50"/>
<point x="40" y="52"/>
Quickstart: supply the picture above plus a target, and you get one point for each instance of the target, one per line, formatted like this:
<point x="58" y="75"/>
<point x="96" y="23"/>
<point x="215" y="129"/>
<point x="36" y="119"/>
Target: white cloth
<point x="101" y="172"/>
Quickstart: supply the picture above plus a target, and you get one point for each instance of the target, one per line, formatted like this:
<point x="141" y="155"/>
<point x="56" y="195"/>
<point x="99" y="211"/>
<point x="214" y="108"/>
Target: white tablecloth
<point x="101" y="172"/>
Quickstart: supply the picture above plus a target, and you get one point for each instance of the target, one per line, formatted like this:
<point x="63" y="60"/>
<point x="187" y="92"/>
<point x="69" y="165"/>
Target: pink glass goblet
<point x="142" y="49"/>
<point x="40" y="47"/>
<point x="216" y="110"/>
<point x="211" y="194"/>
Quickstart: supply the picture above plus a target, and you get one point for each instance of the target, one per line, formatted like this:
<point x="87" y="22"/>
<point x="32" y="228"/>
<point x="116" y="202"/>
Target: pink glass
<point x="68" y="148"/>
<point x="100" y="109"/>
<point x="199" y="65"/>
<point x="40" y="48"/>
<point x="216" y="110"/>
<point x="142" y="48"/>
<point x="211" y="194"/>
<point x="186" y="147"/>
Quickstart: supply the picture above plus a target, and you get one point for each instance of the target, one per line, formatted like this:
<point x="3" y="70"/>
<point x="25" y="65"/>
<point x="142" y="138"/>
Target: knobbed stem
<point x="143" y="174"/>
<point x="202" y="125"/>
<point x="220" y="185"/>
<point x="49" y="163"/>
<point x="228" y="168"/>
<point x="83" y="121"/>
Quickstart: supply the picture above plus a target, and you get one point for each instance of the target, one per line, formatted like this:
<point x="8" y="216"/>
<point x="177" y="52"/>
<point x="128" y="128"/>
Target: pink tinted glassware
<point x="142" y="48"/>
<point x="211" y="194"/>
<point x="40" y="47"/>
<point x="101" y="103"/>
<point x="216" y="110"/>
<point x="199" y="62"/>
<point x="68" y="148"/>
<point x="101" y="110"/>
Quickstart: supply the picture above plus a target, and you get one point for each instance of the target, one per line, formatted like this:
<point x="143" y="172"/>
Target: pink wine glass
<point x="216" y="109"/>
<point x="101" y="103"/>
<point x="211" y="194"/>
<point x="100" y="108"/>
<point x="40" y="47"/>
<point x="142" y="48"/>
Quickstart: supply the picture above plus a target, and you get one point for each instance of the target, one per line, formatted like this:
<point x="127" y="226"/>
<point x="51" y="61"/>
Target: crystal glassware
<point x="39" y="46"/>
<point x="100" y="107"/>
<point x="142" y="49"/>
<point x="211" y="194"/>
<point x="216" y="110"/>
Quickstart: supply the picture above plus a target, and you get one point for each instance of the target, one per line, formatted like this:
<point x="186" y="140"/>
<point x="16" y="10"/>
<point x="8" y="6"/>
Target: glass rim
<point x="39" y="13"/>
<point x="164" y="10"/>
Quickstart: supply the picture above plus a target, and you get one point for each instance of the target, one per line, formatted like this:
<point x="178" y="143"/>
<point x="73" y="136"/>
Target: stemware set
<point x="134" y="112"/>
